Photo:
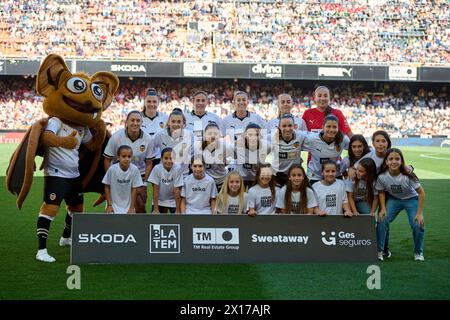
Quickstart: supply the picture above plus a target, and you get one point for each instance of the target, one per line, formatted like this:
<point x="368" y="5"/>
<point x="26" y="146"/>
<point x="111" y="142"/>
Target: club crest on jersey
<point x="142" y="148"/>
<point x="296" y="145"/>
<point x="161" y="125"/>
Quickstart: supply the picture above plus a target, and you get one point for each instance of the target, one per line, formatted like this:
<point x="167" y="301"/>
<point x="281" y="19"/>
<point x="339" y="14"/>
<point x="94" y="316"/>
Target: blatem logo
<point x="346" y="239"/>
<point x="164" y="238"/>
<point x="105" y="238"/>
<point x="128" y="67"/>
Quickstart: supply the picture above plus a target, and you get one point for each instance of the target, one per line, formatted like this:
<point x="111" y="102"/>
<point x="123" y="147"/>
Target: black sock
<point x="68" y="226"/>
<point x="43" y="225"/>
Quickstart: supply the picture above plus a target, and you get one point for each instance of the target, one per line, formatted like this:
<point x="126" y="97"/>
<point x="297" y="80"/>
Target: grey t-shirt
<point x="261" y="200"/>
<point x="359" y="192"/>
<point x="400" y="187"/>
<point x="331" y="198"/>
<point x="295" y="196"/>
<point x="233" y="205"/>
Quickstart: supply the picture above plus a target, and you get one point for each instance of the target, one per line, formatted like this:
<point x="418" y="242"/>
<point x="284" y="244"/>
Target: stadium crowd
<point x="401" y="31"/>
<point x="396" y="108"/>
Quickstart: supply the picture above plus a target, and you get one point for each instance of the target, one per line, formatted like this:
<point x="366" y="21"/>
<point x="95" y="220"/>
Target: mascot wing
<point x="19" y="175"/>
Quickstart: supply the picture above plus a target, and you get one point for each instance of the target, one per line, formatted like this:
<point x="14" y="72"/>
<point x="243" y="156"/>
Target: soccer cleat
<point x="419" y="257"/>
<point x="43" y="256"/>
<point x="380" y="256"/>
<point x="63" y="242"/>
<point x="387" y="254"/>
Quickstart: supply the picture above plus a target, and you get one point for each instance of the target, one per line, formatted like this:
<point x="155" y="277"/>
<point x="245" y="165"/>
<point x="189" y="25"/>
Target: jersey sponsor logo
<point x="123" y="181"/>
<point x="247" y="166"/>
<point x="330" y="200"/>
<point x="266" y="201"/>
<point x="283" y="155"/>
<point x="167" y="181"/>
<point x="396" y="188"/>
<point x="200" y="188"/>
<point x="323" y="160"/>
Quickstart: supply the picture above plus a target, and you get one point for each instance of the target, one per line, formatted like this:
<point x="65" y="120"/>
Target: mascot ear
<point x="110" y="81"/>
<point x="49" y="74"/>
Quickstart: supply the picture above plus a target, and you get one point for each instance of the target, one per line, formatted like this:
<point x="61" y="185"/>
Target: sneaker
<point x="419" y="257"/>
<point x="43" y="256"/>
<point x="63" y="242"/>
<point x="380" y="256"/>
<point x="387" y="254"/>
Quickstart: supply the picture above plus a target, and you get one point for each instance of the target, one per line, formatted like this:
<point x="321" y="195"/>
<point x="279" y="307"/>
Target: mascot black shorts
<point x="56" y="189"/>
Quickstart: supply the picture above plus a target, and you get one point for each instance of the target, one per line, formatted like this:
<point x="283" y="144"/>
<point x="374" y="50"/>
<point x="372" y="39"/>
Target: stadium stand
<point x="365" y="31"/>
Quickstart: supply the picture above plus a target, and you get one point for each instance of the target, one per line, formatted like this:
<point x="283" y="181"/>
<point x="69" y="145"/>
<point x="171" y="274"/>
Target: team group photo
<point x="273" y="149"/>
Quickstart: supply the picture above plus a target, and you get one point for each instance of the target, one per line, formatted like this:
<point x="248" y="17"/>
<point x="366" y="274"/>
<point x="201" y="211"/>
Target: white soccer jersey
<point x="183" y="146"/>
<point x="295" y="196"/>
<point x="152" y="126"/>
<point x="261" y="200"/>
<point x="246" y="160"/>
<point x="299" y="124"/>
<point x="120" y="183"/>
<point x="400" y="187"/>
<point x="198" y="194"/>
<point x="321" y="151"/>
<point x="61" y="162"/>
<point x="167" y="181"/>
<point x="142" y="148"/>
<point x="233" y="205"/>
<point x="216" y="160"/>
<point x="286" y="153"/>
<point x="331" y="198"/>
<point x="197" y="124"/>
<point x="235" y="127"/>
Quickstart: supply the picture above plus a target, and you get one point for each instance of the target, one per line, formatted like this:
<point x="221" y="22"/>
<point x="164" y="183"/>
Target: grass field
<point x="22" y="277"/>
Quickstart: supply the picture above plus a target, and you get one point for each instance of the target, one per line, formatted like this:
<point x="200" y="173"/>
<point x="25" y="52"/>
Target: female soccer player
<point x="141" y="144"/>
<point x="362" y="194"/>
<point x="232" y="198"/>
<point x="285" y="105"/>
<point x="262" y="196"/>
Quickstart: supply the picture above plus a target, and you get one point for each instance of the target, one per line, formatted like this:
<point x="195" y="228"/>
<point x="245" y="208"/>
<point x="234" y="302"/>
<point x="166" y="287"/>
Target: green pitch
<point x="22" y="277"/>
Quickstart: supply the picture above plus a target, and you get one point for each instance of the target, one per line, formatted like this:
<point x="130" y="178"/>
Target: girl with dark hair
<point x="262" y="196"/>
<point x="315" y="117"/>
<point x="153" y="120"/>
<point x="142" y="145"/>
<point x="331" y="193"/>
<point x="286" y="148"/>
<point x="175" y="137"/>
<point x="217" y="154"/>
<point x="362" y="194"/>
<point x="324" y="146"/>
<point x="198" y="118"/>
<point x="250" y="150"/>
<point x="357" y="149"/>
<point x="296" y="197"/>
<point x="235" y="123"/>
<point x="399" y="189"/>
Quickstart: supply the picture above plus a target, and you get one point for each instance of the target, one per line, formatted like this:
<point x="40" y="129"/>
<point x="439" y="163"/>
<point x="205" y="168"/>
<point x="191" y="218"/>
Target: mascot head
<point x="77" y="98"/>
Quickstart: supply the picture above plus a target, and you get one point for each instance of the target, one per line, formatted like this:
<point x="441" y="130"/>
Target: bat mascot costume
<point x="71" y="140"/>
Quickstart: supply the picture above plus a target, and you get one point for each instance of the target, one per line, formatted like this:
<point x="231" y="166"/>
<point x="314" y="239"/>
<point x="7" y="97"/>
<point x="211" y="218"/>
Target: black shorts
<point x="57" y="189"/>
<point x="162" y="209"/>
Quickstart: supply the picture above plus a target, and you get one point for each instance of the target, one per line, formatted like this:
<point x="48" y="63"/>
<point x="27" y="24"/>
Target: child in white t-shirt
<point x="121" y="182"/>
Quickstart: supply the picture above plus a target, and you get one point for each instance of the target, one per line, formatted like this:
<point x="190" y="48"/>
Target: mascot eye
<point x="76" y="85"/>
<point x="97" y="90"/>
